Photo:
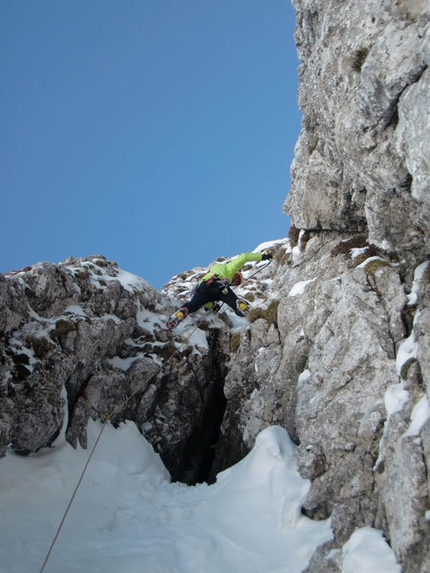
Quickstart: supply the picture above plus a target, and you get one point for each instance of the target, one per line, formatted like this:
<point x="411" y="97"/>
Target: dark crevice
<point x="199" y="452"/>
<point x="391" y="116"/>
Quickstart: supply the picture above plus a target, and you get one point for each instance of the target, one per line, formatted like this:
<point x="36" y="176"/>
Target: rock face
<point x="84" y="338"/>
<point x="337" y="346"/>
<point x="340" y="370"/>
<point x="361" y="161"/>
<point x="355" y="342"/>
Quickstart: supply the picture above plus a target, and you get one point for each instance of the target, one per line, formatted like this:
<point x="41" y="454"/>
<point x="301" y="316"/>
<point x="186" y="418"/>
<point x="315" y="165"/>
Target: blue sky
<point x="158" y="133"/>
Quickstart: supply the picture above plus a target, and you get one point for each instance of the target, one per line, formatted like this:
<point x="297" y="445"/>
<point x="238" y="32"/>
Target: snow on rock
<point x="419" y="272"/>
<point x="367" y="552"/>
<point x="148" y="320"/>
<point x="299" y="288"/>
<point x="407" y="351"/>
<point x="132" y="282"/>
<point x="75" y="309"/>
<point x="122" y="363"/>
<point x="395" y="398"/>
<point x="420" y="415"/>
<point x="271" y="245"/>
<point x="198" y="339"/>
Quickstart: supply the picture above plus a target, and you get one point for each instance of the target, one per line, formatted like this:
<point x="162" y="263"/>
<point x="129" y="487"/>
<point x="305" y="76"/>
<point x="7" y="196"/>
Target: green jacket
<point x="228" y="270"/>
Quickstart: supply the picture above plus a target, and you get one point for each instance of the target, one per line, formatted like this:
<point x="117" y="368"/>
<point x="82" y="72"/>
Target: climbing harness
<point x="220" y="305"/>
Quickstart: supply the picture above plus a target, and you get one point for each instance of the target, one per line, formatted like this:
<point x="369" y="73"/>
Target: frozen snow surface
<point x="420" y="415"/>
<point x="127" y="517"/>
<point x="395" y="398"/>
<point x="367" y="552"/>
<point x="299" y="288"/>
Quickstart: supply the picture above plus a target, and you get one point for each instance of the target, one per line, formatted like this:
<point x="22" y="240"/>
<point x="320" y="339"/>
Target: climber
<point x="215" y="287"/>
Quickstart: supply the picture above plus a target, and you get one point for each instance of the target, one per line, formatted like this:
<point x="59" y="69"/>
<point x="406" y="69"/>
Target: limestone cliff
<point x="337" y="346"/>
<point x="362" y="161"/>
<point x="355" y="340"/>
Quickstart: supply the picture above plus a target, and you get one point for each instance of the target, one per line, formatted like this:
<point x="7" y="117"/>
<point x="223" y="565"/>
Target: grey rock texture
<point x="359" y="396"/>
<point x="361" y="161"/>
<point x="340" y="366"/>
<point x="84" y="338"/>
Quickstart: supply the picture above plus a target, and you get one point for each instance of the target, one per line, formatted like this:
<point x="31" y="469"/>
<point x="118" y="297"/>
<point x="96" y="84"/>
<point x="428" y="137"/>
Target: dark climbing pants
<point x="212" y="291"/>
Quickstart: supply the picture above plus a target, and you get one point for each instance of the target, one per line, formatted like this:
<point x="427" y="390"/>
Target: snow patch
<point x="99" y="277"/>
<point x="131" y="282"/>
<point x="113" y="317"/>
<point x="198" y="339"/>
<point x="395" y="398"/>
<point x="419" y="271"/>
<point x="407" y="351"/>
<point x="272" y="245"/>
<point x="122" y="363"/>
<point x="366" y="551"/>
<point x="127" y="516"/>
<point x="304" y="376"/>
<point x="75" y="310"/>
<point x="420" y="415"/>
<point x="299" y="288"/>
<point x="357" y="251"/>
<point x="260" y="352"/>
<point x="148" y="320"/>
<point x="20" y="348"/>
<point x="364" y="264"/>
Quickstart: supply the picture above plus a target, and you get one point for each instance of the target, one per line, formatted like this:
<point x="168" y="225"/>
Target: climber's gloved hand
<point x="216" y="307"/>
<point x="267" y="256"/>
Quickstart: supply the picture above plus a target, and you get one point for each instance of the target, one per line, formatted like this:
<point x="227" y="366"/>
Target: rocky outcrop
<point x="361" y="161"/>
<point x="358" y="376"/>
<point x="344" y="366"/>
<point x="339" y="368"/>
<point x="84" y="338"/>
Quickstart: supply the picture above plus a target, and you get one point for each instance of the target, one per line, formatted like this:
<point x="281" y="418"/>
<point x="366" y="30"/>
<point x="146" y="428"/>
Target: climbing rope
<point x="258" y="271"/>
<point x="48" y="555"/>
<point x="106" y="418"/>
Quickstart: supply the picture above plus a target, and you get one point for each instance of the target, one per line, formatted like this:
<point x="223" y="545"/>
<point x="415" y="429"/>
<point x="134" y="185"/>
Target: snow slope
<point x="127" y="517"/>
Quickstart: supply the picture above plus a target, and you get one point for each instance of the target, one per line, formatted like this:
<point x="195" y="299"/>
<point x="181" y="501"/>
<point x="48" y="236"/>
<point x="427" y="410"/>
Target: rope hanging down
<point x="106" y="418"/>
<point x="48" y="555"/>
